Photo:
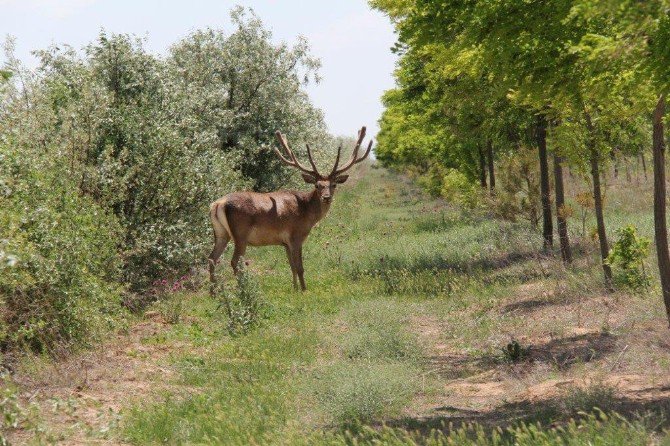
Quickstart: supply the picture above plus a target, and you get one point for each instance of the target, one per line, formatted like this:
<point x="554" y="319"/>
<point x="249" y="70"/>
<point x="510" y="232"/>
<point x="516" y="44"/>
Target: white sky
<point x="352" y="41"/>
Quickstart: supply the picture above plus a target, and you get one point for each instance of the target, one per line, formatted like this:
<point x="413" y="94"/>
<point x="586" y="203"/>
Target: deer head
<point x="324" y="184"/>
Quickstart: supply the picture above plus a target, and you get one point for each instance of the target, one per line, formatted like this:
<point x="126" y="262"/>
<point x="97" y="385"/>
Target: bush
<point x="58" y="259"/>
<point x="432" y="180"/>
<point x="459" y="190"/>
<point x="627" y="257"/>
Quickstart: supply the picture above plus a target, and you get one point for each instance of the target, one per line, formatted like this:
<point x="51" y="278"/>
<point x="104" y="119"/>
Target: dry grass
<point x="80" y="399"/>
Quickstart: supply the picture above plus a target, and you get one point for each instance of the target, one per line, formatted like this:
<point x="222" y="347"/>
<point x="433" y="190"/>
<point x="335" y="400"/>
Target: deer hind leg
<point x="240" y="249"/>
<point x="221" y="239"/>
<point x="219" y="246"/>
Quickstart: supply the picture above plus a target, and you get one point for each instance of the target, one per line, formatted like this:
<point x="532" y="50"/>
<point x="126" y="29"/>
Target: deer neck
<point x="318" y="208"/>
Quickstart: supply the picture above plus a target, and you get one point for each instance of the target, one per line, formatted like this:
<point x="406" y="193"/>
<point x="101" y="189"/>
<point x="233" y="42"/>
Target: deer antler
<point x="354" y="155"/>
<point x="293" y="161"/>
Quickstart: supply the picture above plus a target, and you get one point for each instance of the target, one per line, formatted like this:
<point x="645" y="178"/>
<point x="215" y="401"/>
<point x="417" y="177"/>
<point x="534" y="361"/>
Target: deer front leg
<point x="291" y="263"/>
<point x="298" y="266"/>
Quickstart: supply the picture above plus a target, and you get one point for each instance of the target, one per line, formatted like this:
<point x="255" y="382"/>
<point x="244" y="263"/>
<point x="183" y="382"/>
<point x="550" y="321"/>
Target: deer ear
<point x="341" y="179"/>
<point x="308" y="178"/>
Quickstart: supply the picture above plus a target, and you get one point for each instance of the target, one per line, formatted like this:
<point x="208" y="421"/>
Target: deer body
<point x="276" y="218"/>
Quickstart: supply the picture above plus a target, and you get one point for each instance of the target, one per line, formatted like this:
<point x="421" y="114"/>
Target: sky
<point x="352" y="41"/>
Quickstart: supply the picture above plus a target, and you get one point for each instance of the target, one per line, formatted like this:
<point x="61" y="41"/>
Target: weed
<point x="597" y="428"/>
<point x="586" y="399"/>
<point x="243" y="305"/>
<point x="171" y="307"/>
<point x="513" y="352"/>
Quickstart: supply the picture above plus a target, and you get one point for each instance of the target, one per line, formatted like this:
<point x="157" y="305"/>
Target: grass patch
<point x="376" y="330"/>
<point x="362" y="391"/>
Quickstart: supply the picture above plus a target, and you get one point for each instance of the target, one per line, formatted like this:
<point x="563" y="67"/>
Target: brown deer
<point x="278" y="218"/>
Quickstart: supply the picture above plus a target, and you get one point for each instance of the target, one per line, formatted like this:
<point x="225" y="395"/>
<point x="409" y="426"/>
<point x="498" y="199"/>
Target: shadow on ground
<point x="561" y="353"/>
<point x="549" y="411"/>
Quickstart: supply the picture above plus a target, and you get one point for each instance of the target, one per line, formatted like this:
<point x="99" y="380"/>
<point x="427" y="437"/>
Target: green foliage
<point x="344" y="351"/>
<point x="17" y="414"/>
<point x="627" y="257"/>
<point x="244" y="304"/>
<point x="597" y="428"/>
<point x="110" y="157"/>
<point x="457" y="189"/>
<point x="58" y="259"/>
<point x="154" y="140"/>
<point x="11" y="412"/>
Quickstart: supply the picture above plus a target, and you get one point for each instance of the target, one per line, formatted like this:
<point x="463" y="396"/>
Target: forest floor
<point x="410" y="310"/>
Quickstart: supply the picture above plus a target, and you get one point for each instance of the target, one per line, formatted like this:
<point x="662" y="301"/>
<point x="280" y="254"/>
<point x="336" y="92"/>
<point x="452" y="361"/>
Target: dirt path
<point x="622" y="364"/>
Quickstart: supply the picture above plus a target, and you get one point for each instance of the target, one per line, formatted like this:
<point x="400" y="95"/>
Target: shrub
<point x="517" y="195"/>
<point x="360" y="391"/>
<point x="459" y="190"/>
<point x="11" y="412"/>
<point x="586" y="399"/>
<point x="627" y="258"/>
<point x="58" y="259"/>
<point x="432" y="180"/>
<point x="154" y="140"/>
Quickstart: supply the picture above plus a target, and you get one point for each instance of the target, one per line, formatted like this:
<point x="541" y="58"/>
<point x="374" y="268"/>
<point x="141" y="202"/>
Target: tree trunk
<point x="615" y="162"/>
<point x="644" y="165"/>
<point x="561" y="220"/>
<point x="660" y="225"/>
<point x="547" y="224"/>
<point x="492" y="175"/>
<point x="594" y="158"/>
<point x="482" y="168"/>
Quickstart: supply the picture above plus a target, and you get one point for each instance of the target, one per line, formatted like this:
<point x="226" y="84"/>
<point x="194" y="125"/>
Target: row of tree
<point x="579" y="80"/>
<point x="110" y="157"/>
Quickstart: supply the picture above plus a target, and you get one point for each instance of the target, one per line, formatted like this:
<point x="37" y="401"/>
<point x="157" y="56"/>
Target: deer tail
<point x="217" y="214"/>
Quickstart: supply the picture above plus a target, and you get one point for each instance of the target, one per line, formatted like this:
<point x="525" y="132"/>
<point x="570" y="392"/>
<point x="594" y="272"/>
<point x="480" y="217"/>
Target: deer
<point x="283" y="218"/>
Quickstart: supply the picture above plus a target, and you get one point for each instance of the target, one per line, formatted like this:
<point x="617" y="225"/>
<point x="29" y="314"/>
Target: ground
<point x="411" y="304"/>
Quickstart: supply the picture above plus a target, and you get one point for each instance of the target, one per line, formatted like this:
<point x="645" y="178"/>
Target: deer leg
<point x="289" y="254"/>
<point x="221" y="239"/>
<point x="298" y="266"/>
<point x="237" y="253"/>
<point x="220" y="244"/>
